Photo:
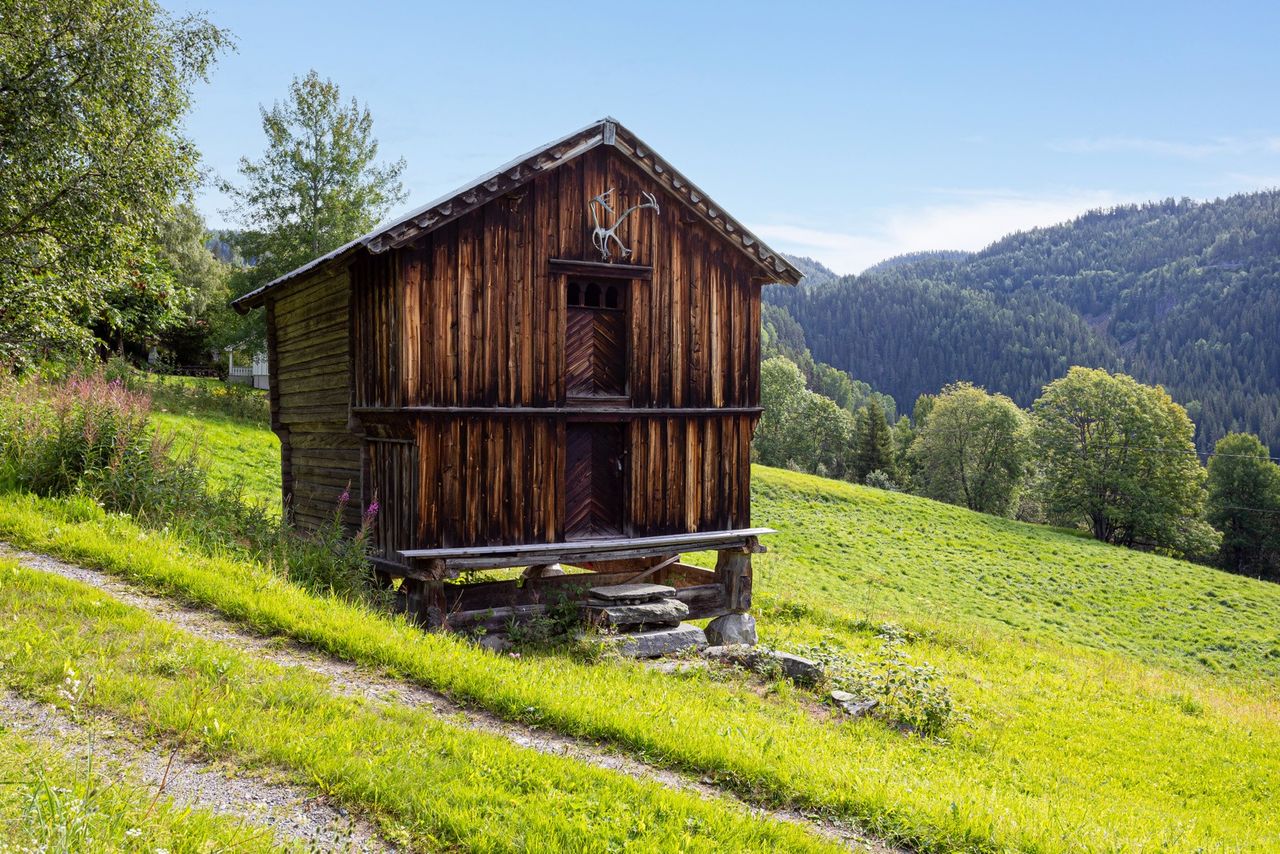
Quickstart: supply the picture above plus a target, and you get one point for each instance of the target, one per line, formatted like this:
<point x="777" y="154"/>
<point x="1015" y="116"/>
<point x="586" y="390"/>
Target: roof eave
<point x="774" y="266"/>
<point x="607" y="131"/>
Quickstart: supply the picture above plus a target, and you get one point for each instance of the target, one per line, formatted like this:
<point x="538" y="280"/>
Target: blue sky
<point x="848" y="132"/>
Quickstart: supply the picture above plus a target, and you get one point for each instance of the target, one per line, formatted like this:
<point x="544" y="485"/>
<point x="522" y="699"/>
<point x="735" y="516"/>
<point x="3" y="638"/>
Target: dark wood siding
<point x="474" y="317"/>
<point x="495" y="479"/>
<point x="393" y="485"/>
<point x="310" y="374"/>
<point x="458" y="370"/>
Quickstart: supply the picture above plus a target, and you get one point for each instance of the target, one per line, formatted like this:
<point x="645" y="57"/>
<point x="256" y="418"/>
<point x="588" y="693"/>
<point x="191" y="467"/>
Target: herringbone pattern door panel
<point x="579" y="351"/>
<point x="609" y="353"/>
<point x="593" y="474"/>
<point x="595" y="347"/>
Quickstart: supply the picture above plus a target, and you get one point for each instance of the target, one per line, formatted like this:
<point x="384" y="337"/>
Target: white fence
<point x="255" y="374"/>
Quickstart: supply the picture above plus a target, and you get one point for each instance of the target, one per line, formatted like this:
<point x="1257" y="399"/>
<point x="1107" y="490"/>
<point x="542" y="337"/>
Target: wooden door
<point x="593" y="477"/>
<point x="595" y="353"/>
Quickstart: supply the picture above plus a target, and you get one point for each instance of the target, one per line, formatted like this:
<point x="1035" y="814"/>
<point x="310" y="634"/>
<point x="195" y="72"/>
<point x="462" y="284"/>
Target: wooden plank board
<point x="597" y="549"/>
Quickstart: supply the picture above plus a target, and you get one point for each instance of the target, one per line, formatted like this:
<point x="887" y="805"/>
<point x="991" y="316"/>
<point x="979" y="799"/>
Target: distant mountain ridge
<point x="815" y="273"/>
<point x="912" y="258"/>
<point x="1177" y="292"/>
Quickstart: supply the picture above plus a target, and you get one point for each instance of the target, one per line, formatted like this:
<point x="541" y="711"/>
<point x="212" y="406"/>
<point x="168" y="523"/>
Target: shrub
<point x="907" y="694"/>
<point x="328" y="560"/>
<point x="562" y="623"/>
<point x="53" y="435"/>
<point x="88" y="434"/>
<point x="181" y="394"/>
<point x="880" y="479"/>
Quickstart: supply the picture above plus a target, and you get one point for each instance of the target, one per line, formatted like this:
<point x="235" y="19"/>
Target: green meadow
<point x="1107" y="699"/>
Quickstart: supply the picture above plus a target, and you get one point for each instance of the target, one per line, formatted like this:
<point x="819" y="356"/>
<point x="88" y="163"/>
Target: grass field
<point x="435" y="784"/>
<point x="49" y="803"/>
<point x="223" y="425"/>
<point x="1112" y="700"/>
<point x="851" y="553"/>
<point x="239" y="452"/>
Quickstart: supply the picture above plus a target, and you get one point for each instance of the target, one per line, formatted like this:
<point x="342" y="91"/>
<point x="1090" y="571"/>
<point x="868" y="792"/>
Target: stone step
<point x="632" y="593"/>
<point x="652" y="644"/>
<point x="663" y="612"/>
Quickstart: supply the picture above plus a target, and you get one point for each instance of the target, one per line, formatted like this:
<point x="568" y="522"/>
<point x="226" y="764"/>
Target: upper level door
<point x="595" y="374"/>
<point x="595" y="353"/>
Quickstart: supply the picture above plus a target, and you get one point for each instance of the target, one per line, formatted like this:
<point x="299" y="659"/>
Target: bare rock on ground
<point x="732" y="629"/>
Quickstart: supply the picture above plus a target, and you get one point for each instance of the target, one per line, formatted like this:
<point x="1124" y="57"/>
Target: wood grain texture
<point x="478" y="309"/>
<point x="469" y="381"/>
<point x="594" y="478"/>
<point x="310" y="362"/>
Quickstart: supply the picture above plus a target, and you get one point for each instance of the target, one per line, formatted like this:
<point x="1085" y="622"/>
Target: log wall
<point x="310" y="355"/>
<point x="445" y="481"/>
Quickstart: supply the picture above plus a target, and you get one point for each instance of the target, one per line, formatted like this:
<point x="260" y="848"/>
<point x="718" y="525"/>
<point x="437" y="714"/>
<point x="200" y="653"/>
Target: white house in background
<point x="254" y="374"/>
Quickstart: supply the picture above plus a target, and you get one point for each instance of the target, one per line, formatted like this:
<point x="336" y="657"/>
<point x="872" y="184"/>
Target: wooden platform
<point x="440" y="563"/>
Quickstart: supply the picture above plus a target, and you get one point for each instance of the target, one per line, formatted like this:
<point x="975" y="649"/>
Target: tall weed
<point x="53" y="435"/>
<point x="330" y="559"/>
<point x="88" y="433"/>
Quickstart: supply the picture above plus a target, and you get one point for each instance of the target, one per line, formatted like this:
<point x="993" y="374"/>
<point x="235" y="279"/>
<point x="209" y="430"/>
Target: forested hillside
<point x="1181" y="293"/>
<point x="816" y="273"/>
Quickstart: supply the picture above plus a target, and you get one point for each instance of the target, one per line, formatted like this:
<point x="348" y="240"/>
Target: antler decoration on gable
<point x="603" y="238"/>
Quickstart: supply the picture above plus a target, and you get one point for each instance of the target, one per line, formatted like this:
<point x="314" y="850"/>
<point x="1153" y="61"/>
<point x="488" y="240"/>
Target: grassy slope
<point x="1115" y="699"/>
<point x="850" y="552"/>
<point x="238" y="451"/>
<point x="484" y="793"/>
<point x="1086" y="670"/>
<point x="50" y="803"/>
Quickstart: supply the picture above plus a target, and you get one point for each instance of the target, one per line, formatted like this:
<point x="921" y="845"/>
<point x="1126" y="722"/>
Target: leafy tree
<point x="920" y="412"/>
<point x="201" y="282"/>
<point x="823" y="432"/>
<point x="972" y="450"/>
<point x="800" y="429"/>
<point x="1119" y="456"/>
<point x="201" y="278"/>
<point x="92" y="96"/>
<point x="317" y="186"/>
<point x="781" y="393"/>
<point x="148" y="302"/>
<point x="873" y="450"/>
<point x="1177" y="292"/>
<point x="904" y="435"/>
<point x="1244" y="504"/>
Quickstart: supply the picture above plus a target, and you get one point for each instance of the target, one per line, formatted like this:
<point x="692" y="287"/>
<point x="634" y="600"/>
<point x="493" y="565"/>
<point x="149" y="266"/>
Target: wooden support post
<point x="733" y="572"/>
<point x="425" y="602"/>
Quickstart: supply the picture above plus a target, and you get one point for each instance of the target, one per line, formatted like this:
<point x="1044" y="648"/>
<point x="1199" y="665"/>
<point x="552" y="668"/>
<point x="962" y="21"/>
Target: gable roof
<point x="605" y="132"/>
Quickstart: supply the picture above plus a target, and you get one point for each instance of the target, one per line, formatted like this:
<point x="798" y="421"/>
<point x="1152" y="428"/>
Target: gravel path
<point x="288" y="813"/>
<point x="351" y="679"/>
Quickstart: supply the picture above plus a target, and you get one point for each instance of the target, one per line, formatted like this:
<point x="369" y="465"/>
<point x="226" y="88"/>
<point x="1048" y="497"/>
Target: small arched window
<point x="574" y="295"/>
<point x="611" y="297"/>
<point x="593" y="295"/>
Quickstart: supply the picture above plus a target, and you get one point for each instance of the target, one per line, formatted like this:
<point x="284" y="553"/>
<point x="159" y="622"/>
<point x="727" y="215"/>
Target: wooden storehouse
<point x="557" y="363"/>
